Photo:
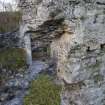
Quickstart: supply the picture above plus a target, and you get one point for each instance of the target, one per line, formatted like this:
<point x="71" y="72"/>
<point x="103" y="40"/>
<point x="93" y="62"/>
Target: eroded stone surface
<point x="10" y="39"/>
<point x="16" y="88"/>
<point x="79" y="48"/>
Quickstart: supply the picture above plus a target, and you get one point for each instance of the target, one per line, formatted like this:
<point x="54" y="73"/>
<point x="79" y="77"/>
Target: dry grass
<point x="9" y="21"/>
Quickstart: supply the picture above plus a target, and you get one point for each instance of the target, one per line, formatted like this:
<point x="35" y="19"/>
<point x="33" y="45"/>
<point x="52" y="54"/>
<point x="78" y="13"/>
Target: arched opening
<point x="35" y="49"/>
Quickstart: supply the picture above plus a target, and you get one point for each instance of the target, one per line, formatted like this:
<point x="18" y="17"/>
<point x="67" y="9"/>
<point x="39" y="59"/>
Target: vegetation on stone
<point x="43" y="92"/>
<point x="9" y="21"/>
<point x="13" y="58"/>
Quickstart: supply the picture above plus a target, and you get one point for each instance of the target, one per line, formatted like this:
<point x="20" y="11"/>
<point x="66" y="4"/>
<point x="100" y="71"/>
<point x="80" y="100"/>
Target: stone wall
<point x="77" y="44"/>
<point x="10" y="40"/>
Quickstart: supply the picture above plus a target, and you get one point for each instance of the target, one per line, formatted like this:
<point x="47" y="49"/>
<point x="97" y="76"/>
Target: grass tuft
<point x="43" y="92"/>
<point x="12" y="58"/>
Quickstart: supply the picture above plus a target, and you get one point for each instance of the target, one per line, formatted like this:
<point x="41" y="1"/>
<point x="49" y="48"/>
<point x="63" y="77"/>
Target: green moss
<point x="43" y="92"/>
<point x="13" y="58"/>
<point x="98" y="78"/>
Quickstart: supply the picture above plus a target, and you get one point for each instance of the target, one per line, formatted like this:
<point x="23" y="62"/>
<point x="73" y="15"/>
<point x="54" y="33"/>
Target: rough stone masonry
<point x="75" y="29"/>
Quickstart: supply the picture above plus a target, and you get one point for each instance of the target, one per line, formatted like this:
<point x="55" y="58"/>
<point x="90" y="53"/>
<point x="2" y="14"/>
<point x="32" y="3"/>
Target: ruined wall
<point x="10" y="40"/>
<point x="77" y="44"/>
